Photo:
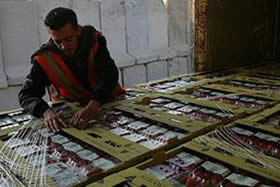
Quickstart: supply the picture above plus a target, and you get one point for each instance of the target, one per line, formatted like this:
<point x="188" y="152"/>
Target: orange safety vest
<point x="63" y="83"/>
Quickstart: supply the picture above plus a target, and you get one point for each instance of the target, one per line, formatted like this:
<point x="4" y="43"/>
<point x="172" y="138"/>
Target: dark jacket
<point x="34" y="87"/>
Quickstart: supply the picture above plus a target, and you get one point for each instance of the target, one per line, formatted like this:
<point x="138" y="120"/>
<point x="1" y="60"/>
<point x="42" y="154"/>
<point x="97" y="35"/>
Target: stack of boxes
<point x="204" y="129"/>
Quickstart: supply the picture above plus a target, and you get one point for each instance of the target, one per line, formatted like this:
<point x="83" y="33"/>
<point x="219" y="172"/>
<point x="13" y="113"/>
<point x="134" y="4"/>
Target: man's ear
<point x="79" y="30"/>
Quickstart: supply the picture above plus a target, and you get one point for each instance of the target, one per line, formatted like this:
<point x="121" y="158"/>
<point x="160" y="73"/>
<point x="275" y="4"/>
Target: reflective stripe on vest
<point x="60" y="75"/>
<point x="64" y="84"/>
<point x="91" y="75"/>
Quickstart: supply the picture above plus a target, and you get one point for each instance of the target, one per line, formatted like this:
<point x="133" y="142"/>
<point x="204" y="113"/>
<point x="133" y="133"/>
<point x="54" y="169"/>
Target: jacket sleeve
<point x="107" y="72"/>
<point x="32" y="91"/>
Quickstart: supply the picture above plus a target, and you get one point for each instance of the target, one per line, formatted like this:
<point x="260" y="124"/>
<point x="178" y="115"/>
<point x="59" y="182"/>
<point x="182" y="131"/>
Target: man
<point x="75" y="65"/>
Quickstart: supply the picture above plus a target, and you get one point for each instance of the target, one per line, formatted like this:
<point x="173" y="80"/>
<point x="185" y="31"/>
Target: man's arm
<point x="106" y="71"/>
<point x="30" y="96"/>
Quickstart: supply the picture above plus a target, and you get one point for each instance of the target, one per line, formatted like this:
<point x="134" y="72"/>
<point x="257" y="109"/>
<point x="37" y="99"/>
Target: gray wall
<point x="147" y="40"/>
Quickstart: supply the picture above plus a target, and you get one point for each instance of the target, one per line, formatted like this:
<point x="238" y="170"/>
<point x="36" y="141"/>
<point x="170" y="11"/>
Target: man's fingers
<point x="84" y="126"/>
<point x="56" y="125"/>
<point x="60" y="113"/>
<point x="60" y="119"/>
<point x="52" y="124"/>
<point x="54" y="121"/>
<point x="49" y="125"/>
<point x="62" y="122"/>
<point x="77" y="120"/>
<point x="73" y="120"/>
<point x="81" y="123"/>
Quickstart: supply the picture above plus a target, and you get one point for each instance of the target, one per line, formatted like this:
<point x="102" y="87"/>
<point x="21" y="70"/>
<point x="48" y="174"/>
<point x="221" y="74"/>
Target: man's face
<point x="66" y="38"/>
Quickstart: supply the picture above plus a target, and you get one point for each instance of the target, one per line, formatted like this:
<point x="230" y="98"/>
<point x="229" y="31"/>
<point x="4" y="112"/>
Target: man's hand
<point x="53" y="121"/>
<point x="89" y="112"/>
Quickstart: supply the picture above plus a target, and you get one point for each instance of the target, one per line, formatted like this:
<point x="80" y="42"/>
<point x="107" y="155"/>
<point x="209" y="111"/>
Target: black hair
<point x="59" y="17"/>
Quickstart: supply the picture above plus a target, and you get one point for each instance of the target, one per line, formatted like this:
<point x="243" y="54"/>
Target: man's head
<point x="62" y="25"/>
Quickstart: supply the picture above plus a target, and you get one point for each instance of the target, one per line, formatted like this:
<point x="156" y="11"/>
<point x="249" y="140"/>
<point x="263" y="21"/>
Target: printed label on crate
<point x="272" y="122"/>
<point x="135" y="137"/>
<point x="6" y="121"/>
<point x="215" y="168"/>
<point x="174" y="112"/>
<point x="152" y="144"/>
<point x="242" y="180"/>
<point x="162" y="86"/>
<point x="153" y="130"/>
<point x="208" y="111"/>
<point x="59" y="139"/>
<point x="66" y="178"/>
<point x="161" y="100"/>
<point x="231" y="96"/>
<point x="188" y="158"/>
<point x="45" y="132"/>
<point x="103" y="163"/>
<point x="217" y="93"/>
<point x="120" y="131"/>
<point x="137" y="125"/>
<point x="53" y="169"/>
<point x="260" y="102"/>
<point x="87" y="155"/>
<point x="205" y="90"/>
<point x="222" y="114"/>
<point x="71" y="146"/>
<point x="242" y="131"/>
<point x="22" y="117"/>
<point x="247" y="99"/>
<point x="160" y="171"/>
<point x="170" y="135"/>
<point x="173" y="105"/>
<point x="188" y="109"/>
<point x="124" y="120"/>
<point x="267" y="137"/>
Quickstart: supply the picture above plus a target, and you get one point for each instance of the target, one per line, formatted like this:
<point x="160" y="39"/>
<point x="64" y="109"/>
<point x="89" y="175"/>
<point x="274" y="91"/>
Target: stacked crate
<point x="230" y="158"/>
<point x="184" y="167"/>
<point x="213" y="128"/>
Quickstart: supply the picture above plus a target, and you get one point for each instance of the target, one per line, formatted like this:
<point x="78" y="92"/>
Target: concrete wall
<point x="143" y="44"/>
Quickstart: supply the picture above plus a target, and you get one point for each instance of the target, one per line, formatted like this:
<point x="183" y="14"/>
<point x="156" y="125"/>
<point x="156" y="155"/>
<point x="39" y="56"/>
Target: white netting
<point x="22" y="157"/>
<point x="224" y="138"/>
